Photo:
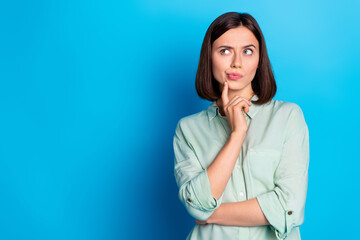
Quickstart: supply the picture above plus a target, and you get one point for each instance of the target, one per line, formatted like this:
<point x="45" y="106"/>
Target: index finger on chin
<point x="224" y="94"/>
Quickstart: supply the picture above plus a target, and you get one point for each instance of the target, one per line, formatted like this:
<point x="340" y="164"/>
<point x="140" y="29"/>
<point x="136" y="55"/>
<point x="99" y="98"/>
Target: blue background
<point x="91" y="91"/>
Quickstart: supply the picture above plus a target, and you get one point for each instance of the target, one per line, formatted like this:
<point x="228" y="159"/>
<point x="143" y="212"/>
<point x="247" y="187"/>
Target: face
<point x="235" y="57"/>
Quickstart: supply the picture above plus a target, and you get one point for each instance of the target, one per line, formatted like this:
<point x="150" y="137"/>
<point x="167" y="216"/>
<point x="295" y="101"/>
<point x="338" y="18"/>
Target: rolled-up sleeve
<point x="284" y="206"/>
<point x="192" y="179"/>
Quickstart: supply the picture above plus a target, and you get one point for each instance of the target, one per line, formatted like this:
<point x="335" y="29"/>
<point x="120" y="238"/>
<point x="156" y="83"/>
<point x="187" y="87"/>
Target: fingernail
<point x="225" y="83"/>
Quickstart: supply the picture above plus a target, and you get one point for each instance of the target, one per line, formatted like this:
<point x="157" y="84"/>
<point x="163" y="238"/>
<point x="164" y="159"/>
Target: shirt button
<point x="241" y="194"/>
<point x="189" y="200"/>
<point x="290" y="212"/>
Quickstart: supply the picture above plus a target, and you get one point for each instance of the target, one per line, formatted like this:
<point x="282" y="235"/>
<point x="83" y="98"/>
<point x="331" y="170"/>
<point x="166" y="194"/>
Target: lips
<point x="234" y="76"/>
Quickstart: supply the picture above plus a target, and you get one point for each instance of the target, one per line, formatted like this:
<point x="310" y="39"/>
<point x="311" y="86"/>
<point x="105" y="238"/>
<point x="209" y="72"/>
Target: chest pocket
<point x="262" y="164"/>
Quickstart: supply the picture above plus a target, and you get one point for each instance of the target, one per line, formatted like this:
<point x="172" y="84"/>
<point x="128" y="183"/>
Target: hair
<point x="263" y="84"/>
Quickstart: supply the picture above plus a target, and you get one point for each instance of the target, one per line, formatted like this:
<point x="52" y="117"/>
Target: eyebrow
<point x="223" y="46"/>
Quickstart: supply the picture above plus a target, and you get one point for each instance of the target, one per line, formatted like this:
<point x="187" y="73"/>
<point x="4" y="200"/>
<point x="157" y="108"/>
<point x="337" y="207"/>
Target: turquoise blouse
<point x="272" y="166"/>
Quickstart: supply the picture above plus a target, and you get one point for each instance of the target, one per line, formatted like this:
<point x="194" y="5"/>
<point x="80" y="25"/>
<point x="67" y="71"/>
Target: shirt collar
<point x="213" y="109"/>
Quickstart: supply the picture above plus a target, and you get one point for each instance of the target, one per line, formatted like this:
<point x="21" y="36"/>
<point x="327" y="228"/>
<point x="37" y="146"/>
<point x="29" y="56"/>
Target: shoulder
<point x="290" y="114"/>
<point x="286" y="108"/>
<point x="191" y="121"/>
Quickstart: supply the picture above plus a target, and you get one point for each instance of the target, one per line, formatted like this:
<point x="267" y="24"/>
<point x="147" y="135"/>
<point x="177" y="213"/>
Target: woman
<point x="241" y="165"/>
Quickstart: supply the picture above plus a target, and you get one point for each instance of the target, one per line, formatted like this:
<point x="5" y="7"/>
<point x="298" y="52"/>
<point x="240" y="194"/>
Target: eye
<point x="222" y="51"/>
<point x="248" y="51"/>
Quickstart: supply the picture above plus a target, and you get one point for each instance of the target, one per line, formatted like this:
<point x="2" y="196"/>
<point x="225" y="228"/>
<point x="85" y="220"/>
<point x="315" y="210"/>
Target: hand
<point x="200" y="222"/>
<point x="233" y="110"/>
<point x="211" y="219"/>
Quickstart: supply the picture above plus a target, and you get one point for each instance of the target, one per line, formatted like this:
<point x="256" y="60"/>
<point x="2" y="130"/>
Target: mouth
<point x="234" y="76"/>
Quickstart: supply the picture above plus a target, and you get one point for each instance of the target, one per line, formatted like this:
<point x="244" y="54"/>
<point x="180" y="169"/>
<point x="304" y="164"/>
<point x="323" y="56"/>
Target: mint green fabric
<point x="272" y="167"/>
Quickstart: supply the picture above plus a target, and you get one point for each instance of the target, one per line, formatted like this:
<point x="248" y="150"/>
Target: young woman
<point x="241" y="165"/>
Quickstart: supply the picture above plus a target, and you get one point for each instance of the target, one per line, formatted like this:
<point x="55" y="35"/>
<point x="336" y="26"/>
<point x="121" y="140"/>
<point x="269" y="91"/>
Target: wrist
<point x="238" y="135"/>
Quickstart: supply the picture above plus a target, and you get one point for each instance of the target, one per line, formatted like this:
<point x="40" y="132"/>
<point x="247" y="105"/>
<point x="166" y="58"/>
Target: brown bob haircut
<point x="263" y="84"/>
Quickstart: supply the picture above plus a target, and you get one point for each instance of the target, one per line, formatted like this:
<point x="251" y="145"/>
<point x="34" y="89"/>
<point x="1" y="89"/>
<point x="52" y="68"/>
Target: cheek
<point x="218" y="64"/>
<point x="215" y="66"/>
<point x="217" y="69"/>
<point x="252" y="65"/>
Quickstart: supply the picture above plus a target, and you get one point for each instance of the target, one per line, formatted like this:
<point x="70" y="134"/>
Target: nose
<point x="236" y="63"/>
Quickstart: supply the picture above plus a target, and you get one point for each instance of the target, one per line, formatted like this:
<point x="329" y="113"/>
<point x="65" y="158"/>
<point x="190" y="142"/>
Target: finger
<point x="230" y="103"/>
<point x="241" y="103"/>
<point x="232" y="100"/>
<point x="237" y="98"/>
<point x="245" y="105"/>
<point x="235" y="102"/>
<point x="224" y="94"/>
<point x="247" y="101"/>
<point x="246" y="109"/>
<point x="199" y="222"/>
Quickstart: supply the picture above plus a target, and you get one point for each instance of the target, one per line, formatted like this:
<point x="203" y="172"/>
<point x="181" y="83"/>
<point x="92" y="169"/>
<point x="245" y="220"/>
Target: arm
<point x="284" y="206"/>
<point x="195" y="190"/>
<point x="191" y="177"/>
<point x="220" y="170"/>
<point x="246" y="213"/>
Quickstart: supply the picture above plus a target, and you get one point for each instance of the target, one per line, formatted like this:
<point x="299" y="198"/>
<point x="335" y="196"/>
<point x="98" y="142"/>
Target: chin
<point x="236" y="85"/>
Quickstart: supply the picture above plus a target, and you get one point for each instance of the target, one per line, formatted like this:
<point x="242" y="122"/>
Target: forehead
<point x="239" y="36"/>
